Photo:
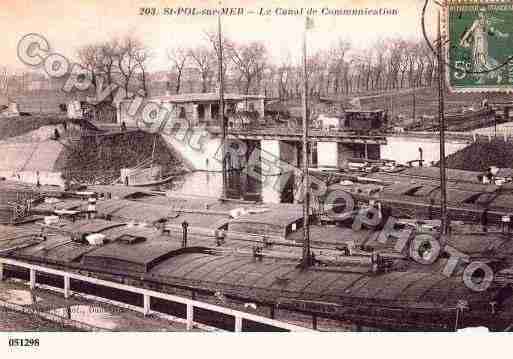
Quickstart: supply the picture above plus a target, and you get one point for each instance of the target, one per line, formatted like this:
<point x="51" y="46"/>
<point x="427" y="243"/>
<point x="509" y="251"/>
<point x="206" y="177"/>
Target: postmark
<point x="479" y="45"/>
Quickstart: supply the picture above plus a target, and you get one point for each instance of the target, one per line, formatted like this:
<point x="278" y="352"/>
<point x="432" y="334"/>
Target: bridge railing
<point x="291" y="130"/>
<point x="147" y="294"/>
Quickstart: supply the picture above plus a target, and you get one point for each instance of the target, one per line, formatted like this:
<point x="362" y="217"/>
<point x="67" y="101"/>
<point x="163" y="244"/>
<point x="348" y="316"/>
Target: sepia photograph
<point x="205" y="166"/>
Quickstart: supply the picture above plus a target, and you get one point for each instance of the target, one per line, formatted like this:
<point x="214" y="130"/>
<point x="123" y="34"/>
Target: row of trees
<point x="340" y="70"/>
<point x="245" y="63"/>
<point x="123" y="62"/>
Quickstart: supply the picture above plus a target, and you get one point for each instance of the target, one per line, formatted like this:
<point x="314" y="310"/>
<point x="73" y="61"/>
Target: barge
<point x="249" y="253"/>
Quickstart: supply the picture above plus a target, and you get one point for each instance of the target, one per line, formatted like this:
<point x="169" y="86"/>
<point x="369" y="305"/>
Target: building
<point x="198" y="108"/>
<point x="366" y="120"/>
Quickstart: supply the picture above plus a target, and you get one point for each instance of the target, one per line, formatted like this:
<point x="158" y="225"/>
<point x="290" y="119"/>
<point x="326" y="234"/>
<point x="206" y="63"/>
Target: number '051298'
<point x="23" y="342"/>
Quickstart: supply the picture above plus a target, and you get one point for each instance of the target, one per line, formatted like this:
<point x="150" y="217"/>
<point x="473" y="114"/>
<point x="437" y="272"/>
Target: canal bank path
<point x="43" y="310"/>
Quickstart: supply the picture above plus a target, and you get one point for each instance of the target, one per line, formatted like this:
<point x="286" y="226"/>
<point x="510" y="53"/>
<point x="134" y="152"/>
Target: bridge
<point x="296" y="134"/>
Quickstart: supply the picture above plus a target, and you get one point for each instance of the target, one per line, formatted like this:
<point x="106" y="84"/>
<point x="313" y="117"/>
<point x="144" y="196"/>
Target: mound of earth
<point x="482" y="154"/>
<point x="88" y="161"/>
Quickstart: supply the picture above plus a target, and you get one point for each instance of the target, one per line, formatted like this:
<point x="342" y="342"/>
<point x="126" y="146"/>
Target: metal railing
<point x="147" y="295"/>
<point x="296" y="131"/>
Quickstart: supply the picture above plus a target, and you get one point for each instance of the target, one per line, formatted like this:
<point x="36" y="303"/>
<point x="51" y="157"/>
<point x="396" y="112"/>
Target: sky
<point x="68" y="25"/>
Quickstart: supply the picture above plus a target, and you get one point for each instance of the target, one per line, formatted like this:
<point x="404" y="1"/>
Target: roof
<point x="56" y="249"/>
<point x="92" y="226"/>
<point x="132" y="210"/>
<point x="404" y="189"/>
<point x="482" y="244"/>
<point x="149" y="233"/>
<point x="130" y="257"/>
<point x="279" y="280"/>
<point x="356" y="188"/>
<point x="118" y="191"/>
<point x="11" y="236"/>
<point x="403" y="177"/>
<point x="200" y="220"/>
<point x="205" y="97"/>
<point x="194" y="203"/>
<point x="272" y="216"/>
<point x="62" y="204"/>
<point x="423" y="288"/>
<point x="434" y="172"/>
<point x="275" y="221"/>
<point x="333" y="235"/>
<point x="364" y="111"/>
<point x="505" y="172"/>
<point x="33" y="156"/>
<point x="456" y="196"/>
<point x="503" y="201"/>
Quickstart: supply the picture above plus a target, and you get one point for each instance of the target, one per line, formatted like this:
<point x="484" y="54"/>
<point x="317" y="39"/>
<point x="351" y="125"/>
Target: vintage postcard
<point x="259" y="166"/>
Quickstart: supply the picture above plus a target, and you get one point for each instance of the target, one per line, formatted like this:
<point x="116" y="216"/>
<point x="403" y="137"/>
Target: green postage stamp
<point x="480" y="45"/>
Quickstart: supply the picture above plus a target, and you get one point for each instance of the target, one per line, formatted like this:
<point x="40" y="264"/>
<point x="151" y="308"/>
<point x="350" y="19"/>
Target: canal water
<point x="200" y="183"/>
<point x="239" y="186"/>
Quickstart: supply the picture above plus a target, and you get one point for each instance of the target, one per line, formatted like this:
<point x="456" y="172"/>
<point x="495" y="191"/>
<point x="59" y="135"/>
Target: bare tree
<point x="283" y="81"/>
<point x="388" y="64"/>
<point x="141" y="58"/>
<point x="212" y="38"/>
<point x="267" y="80"/>
<point x="202" y="58"/>
<point x="250" y="61"/>
<point x="91" y="57"/>
<point x="396" y="50"/>
<point x="317" y="68"/>
<point x="178" y="57"/>
<point x="100" y="60"/>
<point x="339" y="69"/>
<point x="131" y="64"/>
